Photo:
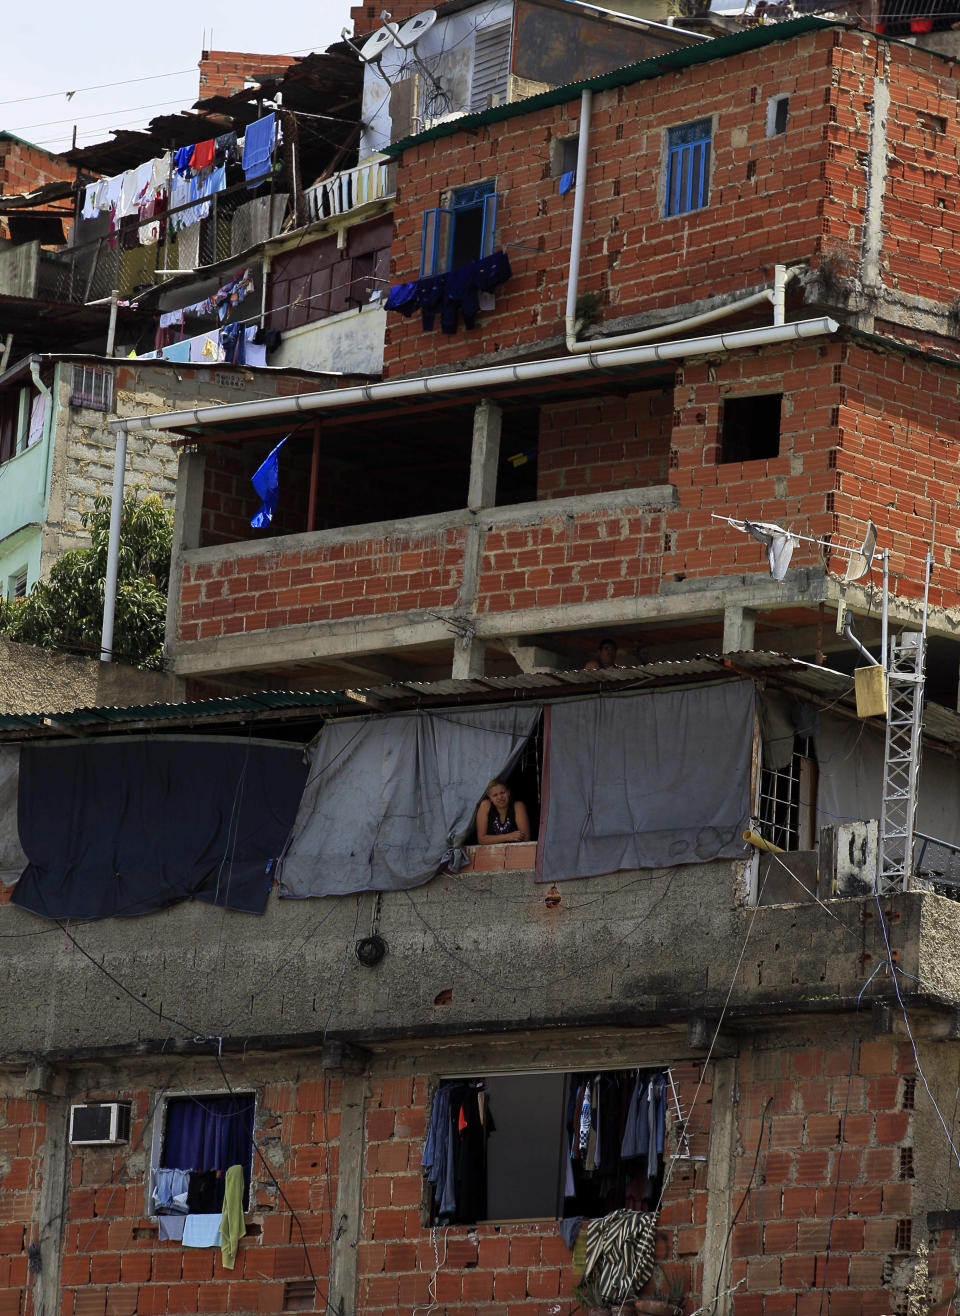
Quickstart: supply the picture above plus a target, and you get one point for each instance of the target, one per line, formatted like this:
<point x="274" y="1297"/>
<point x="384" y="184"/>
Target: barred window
<point x="787" y="799"/>
<point x="92" y="386"/>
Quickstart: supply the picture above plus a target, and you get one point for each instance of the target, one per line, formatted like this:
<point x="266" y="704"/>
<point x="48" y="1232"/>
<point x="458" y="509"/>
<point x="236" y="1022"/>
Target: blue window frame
<point x="460" y="232"/>
<point x="688" y="167"/>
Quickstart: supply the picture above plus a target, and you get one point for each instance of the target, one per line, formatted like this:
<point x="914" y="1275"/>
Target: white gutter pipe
<point x="579" y="201"/>
<point x="113" y="547"/>
<point x="461" y="381"/>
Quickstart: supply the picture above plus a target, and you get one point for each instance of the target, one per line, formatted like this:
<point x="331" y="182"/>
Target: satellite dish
<point x="414" y="28"/>
<point x="374" y="46"/>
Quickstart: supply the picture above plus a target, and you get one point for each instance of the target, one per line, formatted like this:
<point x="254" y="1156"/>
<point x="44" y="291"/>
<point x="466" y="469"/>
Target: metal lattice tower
<point x="901" y="759"/>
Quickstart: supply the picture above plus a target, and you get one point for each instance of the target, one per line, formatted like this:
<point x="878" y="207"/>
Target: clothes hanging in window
<point x="454" y="1155"/>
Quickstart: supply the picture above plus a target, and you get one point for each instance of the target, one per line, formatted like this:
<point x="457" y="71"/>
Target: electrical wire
<point x="100" y="86"/>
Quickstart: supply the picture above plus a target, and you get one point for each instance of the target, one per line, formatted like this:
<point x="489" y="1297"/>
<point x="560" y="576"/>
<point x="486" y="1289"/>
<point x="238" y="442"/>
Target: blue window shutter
<point x="688" y="167"/>
<point x="428" y="242"/>
<point x="488" y="233"/>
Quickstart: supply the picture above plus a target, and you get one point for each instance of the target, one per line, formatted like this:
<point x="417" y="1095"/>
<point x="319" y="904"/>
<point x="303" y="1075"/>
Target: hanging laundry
<point x="91" y="199"/>
<point x="567" y="181"/>
<point x="181" y="159"/>
<point x="258" y="143"/>
<point x="202" y="1230"/>
<point x="134" y="184"/>
<point x="255" y="352"/>
<point x="779" y="544"/>
<point x="179" y="198"/>
<point x="225" y="149"/>
<point x="232" y="1224"/>
<point x="202" y="155"/>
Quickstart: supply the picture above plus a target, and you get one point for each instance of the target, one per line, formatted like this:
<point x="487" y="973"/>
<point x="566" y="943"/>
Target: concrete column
<point x="468" y="658"/>
<point x="738" y="628"/>
<point x="186" y="530"/>
<point x="720" y="1176"/>
<point x="485" y="457"/>
<point x="345" y="1234"/>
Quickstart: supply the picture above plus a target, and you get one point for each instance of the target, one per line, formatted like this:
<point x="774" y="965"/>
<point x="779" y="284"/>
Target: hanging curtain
<point x="210" y="1133"/>
<point x="386" y="797"/>
<point x="648" y="781"/>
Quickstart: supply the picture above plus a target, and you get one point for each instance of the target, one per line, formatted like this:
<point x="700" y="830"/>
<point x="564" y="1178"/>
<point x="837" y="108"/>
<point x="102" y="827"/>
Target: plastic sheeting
<point x="648" y="781"/>
<point x="126" y="827"/>
<point x="850" y="762"/>
<point x="387" y="797"/>
<point x="12" y="859"/>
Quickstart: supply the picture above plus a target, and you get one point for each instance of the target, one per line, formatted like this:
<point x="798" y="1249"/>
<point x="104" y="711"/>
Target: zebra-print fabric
<point x="619" y="1252"/>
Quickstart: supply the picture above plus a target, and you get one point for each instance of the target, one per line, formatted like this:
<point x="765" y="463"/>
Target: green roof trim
<point x="737" y="43"/>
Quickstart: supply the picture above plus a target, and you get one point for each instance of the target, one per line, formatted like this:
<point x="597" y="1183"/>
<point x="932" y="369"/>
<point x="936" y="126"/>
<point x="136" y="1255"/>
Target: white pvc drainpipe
<point x="459" y="381"/>
<point x="113" y="548"/>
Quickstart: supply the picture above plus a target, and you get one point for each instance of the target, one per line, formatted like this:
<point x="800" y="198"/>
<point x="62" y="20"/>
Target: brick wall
<point x="572" y="558"/>
<point x="222" y="72"/>
<point x="366" y="18"/>
<point x="287" y="586"/>
<point x="813" y="1188"/>
<point x="229" y="499"/>
<point x="522" y="1269"/>
<point x="796" y="197"/>
<point x="113" y="1262"/>
<point x="22" y="1135"/>
<point x="24" y="167"/>
<point x="595" y="445"/>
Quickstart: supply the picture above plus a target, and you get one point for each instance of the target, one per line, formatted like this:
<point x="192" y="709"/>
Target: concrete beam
<point x="187" y="515"/>
<point x="531" y="658"/>
<point x="469" y="656"/>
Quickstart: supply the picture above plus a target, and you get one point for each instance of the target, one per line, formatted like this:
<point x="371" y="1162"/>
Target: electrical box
<point x="99" y="1123"/>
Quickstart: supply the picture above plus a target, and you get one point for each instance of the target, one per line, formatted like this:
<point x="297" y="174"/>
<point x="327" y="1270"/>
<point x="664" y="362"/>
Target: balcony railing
<point x="370" y="180"/>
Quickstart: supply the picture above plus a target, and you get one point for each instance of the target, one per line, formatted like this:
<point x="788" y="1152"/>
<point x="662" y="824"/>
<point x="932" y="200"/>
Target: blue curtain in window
<point x="210" y="1133"/>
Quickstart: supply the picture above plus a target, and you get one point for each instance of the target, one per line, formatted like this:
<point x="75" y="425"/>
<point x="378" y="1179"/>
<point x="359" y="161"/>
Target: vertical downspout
<point x="113" y="548"/>
<point x="579" y="201"/>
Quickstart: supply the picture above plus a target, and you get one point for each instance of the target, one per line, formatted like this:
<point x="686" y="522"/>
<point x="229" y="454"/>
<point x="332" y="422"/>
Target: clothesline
<point x="836" y="546"/>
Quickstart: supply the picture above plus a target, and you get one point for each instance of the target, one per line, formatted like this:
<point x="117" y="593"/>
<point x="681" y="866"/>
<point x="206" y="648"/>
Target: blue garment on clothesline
<point x="258" y="143"/>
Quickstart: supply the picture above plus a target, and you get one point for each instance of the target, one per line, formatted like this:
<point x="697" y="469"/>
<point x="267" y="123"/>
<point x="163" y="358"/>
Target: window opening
<point x="688" y="167"/>
<point x="750" y="428"/>
<point x="778" y="108"/>
<point x="17" y="584"/>
<point x="524" y="781"/>
<point x="546" y="1146"/>
<point x="91" y="386"/>
<point x="203" y="1135"/>
<point x="787" y="797"/>
<point x="460" y="232"/>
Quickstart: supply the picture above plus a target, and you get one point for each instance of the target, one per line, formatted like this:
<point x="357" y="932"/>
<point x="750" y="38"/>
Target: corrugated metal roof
<point x="820" y="683"/>
<point x="738" y="43"/>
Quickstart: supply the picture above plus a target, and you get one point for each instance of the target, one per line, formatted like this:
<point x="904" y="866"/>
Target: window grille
<point x="92" y="386"/>
<point x="688" y="167"/>
<point x="17" y="587"/>
<point x="787" y="798"/>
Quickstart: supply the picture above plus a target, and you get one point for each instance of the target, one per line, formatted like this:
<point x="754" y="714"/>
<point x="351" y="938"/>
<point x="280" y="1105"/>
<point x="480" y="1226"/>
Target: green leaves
<point x="66" y="611"/>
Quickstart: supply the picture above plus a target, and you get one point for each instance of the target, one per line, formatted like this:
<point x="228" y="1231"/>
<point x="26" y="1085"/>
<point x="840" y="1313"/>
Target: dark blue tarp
<point x="127" y="827"/>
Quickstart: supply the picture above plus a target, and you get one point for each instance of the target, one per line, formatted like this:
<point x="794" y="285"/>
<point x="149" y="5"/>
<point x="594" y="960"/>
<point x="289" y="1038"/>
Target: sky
<point x="149" y="53"/>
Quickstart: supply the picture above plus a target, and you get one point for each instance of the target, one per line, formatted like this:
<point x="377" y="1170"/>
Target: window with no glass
<point x="545" y="1146"/>
<point x="202" y="1136"/>
<point x="750" y="428"/>
<point x="688" y="167"/>
<point x="461" y="231"/>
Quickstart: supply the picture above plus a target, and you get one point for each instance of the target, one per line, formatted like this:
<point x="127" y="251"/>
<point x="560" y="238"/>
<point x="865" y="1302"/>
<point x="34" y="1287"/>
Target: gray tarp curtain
<point x="850" y="766"/>
<point x="648" y="781"/>
<point x="12" y="859"/>
<point x="386" y="797"/>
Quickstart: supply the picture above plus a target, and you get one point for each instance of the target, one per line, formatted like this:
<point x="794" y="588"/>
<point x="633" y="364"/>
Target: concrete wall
<point x="352" y="339"/>
<point x="40" y="681"/>
<point x="807" y="1124"/>
<point x="447" y="48"/>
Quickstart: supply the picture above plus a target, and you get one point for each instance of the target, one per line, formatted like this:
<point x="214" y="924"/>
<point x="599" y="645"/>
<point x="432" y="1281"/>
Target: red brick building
<point x="760" y="325"/>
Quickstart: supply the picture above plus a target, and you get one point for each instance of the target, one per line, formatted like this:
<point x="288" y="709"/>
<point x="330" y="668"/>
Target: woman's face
<point x="498" y="796"/>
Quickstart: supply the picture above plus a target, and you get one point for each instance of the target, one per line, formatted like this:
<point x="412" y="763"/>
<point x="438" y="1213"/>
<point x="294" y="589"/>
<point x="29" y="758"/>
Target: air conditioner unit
<point x="99" y="1123"/>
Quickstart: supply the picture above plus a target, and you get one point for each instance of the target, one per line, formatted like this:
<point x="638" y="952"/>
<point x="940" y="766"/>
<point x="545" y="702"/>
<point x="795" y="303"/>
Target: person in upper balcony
<point x="606" y="656"/>
<point x="501" y="818"/>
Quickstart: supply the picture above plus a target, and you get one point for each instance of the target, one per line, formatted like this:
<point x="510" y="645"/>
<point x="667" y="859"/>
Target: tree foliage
<point x="66" y="611"/>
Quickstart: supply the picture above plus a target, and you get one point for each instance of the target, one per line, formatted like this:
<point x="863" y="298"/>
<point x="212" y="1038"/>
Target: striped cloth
<point x="619" y="1252"/>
